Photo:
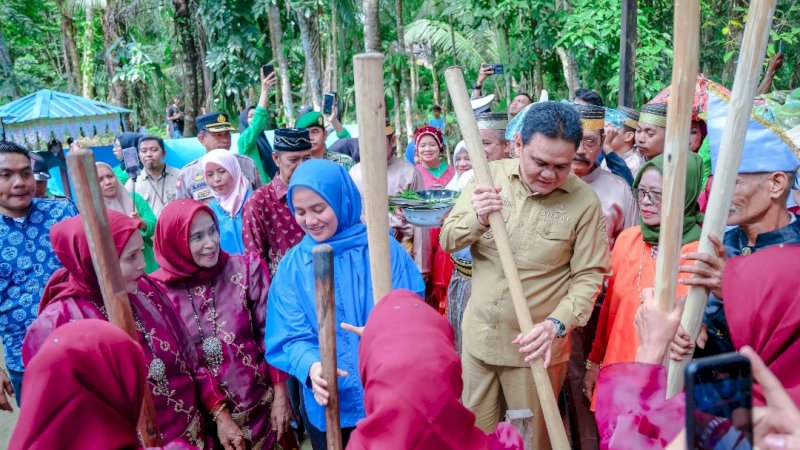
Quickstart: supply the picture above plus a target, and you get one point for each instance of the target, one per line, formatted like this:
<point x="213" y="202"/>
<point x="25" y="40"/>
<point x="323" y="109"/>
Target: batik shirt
<point x="268" y="226"/>
<point x="27" y="261"/>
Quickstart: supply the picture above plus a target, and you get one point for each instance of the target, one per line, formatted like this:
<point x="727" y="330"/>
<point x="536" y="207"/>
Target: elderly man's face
<point x="753" y="195"/>
<point x="494" y="144"/>
<point x="585" y="157"/>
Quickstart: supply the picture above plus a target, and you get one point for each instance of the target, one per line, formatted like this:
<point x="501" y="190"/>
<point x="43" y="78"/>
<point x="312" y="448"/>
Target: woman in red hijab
<point x="762" y="305"/>
<point x="421" y="409"/>
<point x="99" y="374"/>
<point x="184" y="393"/>
<point x="222" y="300"/>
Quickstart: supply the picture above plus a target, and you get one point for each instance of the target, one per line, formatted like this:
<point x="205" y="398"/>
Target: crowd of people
<point x="216" y="259"/>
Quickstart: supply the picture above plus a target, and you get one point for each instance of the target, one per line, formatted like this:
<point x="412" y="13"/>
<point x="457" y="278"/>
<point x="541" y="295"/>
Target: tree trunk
<point x="570" y="69"/>
<point x="437" y="91"/>
<point x="734" y="40"/>
<point x="400" y="142"/>
<point x="186" y="32"/>
<point x="372" y="26"/>
<point x="406" y="88"/>
<point x="87" y="67"/>
<point x="332" y="71"/>
<point x="7" y="68"/>
<point x="538" y="77"/>
<point x="627" y="53"/>
<point x="452" y="39"/>
<point x="71" y="61"/>
<point x="206" y="81"/>
<point x="117" y="92"/>
<point x="309" y="31"/>
<point x="275" y="34"/>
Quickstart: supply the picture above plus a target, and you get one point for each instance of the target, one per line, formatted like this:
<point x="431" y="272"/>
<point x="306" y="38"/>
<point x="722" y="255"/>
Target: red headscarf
<point x="172" y="245"/>
<point x="412" y="383"/>
<point x="90" y="376"/>
<point x="762" y="305"/>
<point x="77" y="278"/>
<point x="428" y="130"/>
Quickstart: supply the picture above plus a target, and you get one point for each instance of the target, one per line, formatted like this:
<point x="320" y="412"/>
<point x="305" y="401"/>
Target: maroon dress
<point x="186" y="391"/>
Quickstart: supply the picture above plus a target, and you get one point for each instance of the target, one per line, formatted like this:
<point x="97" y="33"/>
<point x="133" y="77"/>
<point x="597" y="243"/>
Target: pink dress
<point x="185" y="394"/>
<point x="431" y="182"/>
<point x="238" y="298"/>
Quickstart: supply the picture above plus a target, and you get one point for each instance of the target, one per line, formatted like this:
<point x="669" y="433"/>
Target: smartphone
<point x="130" y="159"/>
<point x="327" y="103"/>
<point x="497" y="69"/>
<point x="719" y="403"/>
<point x="267" y="69"/>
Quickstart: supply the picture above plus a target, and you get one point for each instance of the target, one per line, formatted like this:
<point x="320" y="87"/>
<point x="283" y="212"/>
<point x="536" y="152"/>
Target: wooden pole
<point x="370" y="114"/>
<point x="106" y="265"/>
<point x="751" y="55"/>
<point x="676" y="148"/>
<point x="627" y="52"/>
<point x="469" y="131"/>
<point x="326" y="319"/>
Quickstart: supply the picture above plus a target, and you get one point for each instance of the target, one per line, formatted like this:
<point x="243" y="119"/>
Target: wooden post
<point x="326" y="319"/>
<point x="106" y="265"/>
<point x="370" y="114"/>
<point x="469" y="130"/>
<point x="748" y="70"/>
<point x="627" y="52"/>
<point x="676" y="148"/>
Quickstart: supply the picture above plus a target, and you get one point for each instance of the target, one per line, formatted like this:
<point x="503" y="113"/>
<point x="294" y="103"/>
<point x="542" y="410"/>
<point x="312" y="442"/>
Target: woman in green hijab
<point x="633" y="264"/>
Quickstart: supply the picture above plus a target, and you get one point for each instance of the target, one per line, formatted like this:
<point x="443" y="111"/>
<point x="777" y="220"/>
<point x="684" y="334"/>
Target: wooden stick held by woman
<point x="684" y="79"/>
<point x="106" y="265"/>
<point x="326" y="318"/>
<point x="469" y="130"/>
<point x="754" y="45"/>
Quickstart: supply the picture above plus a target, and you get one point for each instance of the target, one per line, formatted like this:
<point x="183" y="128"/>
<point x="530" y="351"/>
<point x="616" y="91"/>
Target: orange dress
<point x="633" y="269"/>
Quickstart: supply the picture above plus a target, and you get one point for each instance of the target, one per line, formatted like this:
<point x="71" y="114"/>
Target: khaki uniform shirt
<point x="192" y="181"/>
<point x="157" y="192"/>
<point x="561" y="252"/>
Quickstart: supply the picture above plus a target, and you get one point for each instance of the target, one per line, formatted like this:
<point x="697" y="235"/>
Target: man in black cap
<point x="214" y="132"/>
<point x="269" y="228"/>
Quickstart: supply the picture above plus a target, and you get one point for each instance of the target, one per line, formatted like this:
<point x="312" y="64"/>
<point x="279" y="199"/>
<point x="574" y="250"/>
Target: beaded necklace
<point x="212" y="345"/>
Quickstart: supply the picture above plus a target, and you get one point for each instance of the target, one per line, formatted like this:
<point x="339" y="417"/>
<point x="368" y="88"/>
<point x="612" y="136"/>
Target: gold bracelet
<point x="590" y="365"/>
<point x="215" y="416"/>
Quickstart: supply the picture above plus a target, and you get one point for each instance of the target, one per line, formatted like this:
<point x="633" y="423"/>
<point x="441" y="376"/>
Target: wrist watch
<point x="561" y="330"/>
<point x="476" y="86"/>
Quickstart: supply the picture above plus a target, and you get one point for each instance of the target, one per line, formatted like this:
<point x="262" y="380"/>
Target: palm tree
<point x="310" y="36"/>
<point x="71" y="61"/>
<point x="275" y="34"/>
<point x="372" y="26"/>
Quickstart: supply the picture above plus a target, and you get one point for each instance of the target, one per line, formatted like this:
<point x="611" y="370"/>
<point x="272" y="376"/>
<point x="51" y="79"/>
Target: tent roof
<point x="46" y="104"/>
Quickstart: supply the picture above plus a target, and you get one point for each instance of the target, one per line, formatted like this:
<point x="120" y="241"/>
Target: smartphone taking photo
<point x="266" y="70"/>
<point x="719" y="403"/>
<point x="327" y="103"/>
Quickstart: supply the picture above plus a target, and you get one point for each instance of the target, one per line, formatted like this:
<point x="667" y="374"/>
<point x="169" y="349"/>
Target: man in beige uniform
<point x="557" y="232"/>
<point x="401" y="175"/>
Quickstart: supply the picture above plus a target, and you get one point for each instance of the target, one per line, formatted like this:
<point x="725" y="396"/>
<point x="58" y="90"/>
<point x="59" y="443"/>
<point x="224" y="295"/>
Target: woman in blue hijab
<point x="327" y="206"/>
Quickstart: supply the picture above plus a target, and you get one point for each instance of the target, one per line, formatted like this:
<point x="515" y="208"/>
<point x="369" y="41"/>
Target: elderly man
<point x="27" y="259"/>
<point x="619" y="207"/>
<point x="556" y="227"/>
<point x="156" y="183"/>
<point x="758" y="212"/>
<point x="213" y="131"/>
<point x="401" y="175"/>
<point x="314" y="123"/>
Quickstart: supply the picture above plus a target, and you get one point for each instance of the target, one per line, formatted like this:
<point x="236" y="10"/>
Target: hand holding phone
<point x="267" y="70"/>
<point x="719" y="403"/>
<point x="328" y="103"/>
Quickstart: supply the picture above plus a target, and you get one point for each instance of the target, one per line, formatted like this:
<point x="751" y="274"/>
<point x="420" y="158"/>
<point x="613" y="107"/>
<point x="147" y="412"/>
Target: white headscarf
<point x="455" y="184"/>
<point x="233" y="201"/>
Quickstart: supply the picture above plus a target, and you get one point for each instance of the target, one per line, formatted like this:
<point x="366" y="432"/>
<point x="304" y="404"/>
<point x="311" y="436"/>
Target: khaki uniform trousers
<point x="489" y="391"/>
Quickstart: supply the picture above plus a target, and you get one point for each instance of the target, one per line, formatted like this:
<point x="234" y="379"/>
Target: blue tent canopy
<point x="44" y="115"/>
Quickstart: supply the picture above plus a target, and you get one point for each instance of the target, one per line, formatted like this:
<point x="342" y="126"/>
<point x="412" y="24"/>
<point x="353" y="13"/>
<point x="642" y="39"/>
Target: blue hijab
<point x="292" y="337"/>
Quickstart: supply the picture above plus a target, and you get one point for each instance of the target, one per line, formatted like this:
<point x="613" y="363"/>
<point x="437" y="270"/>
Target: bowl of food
<point x="425" y="208"/>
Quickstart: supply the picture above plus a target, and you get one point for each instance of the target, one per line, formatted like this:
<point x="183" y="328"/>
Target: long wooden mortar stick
<point x="754" y="47"/>
<point x="454" y="78"/>
<point x="676" y="149"/>
<point x="370" y="114"/>
<point x="106" y="265"/>
<point x="326" y="319"/>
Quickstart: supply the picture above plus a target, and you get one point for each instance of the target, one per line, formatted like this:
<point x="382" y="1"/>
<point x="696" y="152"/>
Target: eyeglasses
<point x="653" y="196"/>
<point x="589" y="143"/>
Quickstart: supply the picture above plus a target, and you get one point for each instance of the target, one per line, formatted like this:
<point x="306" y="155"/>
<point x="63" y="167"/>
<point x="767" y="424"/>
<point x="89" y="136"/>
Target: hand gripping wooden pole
<point x="106" y="265"/>
<point x="751" y="55"/>
<point x="326" y="319"/>
<point x="371" y="114"/>
<point x="469" y="130"/>
<point x="676" y="148"/>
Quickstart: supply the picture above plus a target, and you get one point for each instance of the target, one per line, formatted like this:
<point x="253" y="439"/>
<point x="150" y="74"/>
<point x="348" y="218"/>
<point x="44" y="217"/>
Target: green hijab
<point x="691" y="210"/>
